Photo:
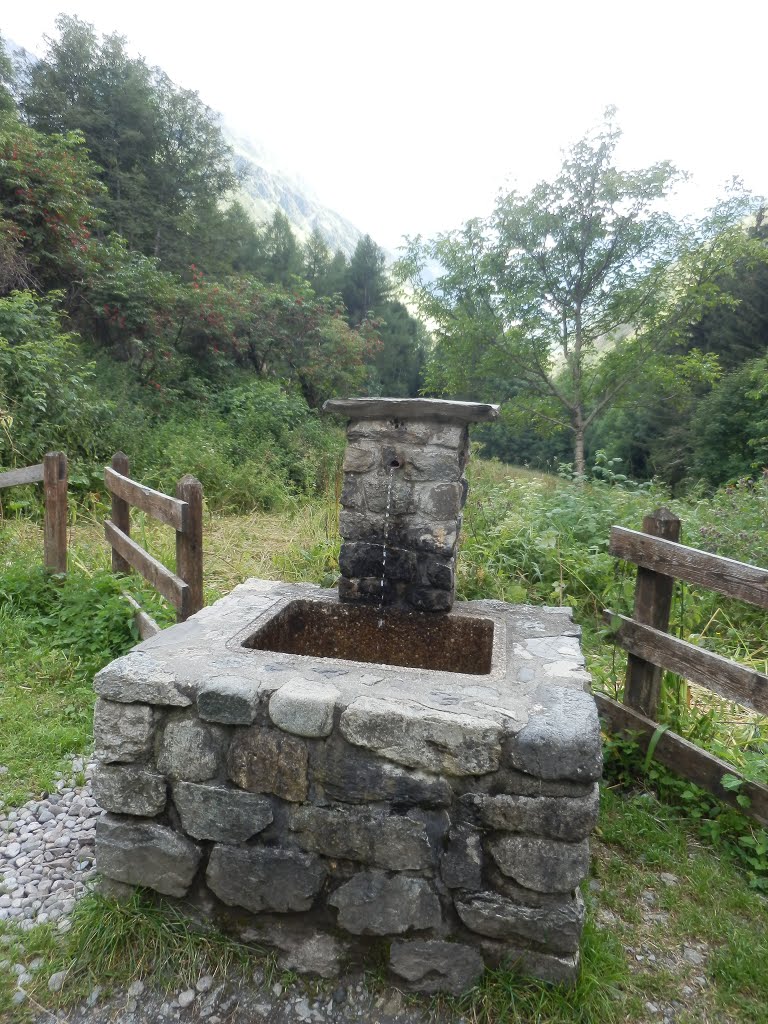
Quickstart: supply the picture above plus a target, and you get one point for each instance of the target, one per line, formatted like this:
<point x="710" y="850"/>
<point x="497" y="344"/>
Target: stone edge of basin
<point x="438" y="409"/>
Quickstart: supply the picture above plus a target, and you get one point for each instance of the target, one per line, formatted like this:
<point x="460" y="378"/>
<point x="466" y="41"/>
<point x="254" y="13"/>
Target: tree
<point x="277" y="256"/>
<point x="7" y="80"/>
<point x="92" y="86"/>
<point x="48" y="192"/>
<point x="315" y="260"/>
<point x="567" y="293"/>
<point x="366" y="285"/>
<point x="191" y="170"/>
<point x="160" y="151"/>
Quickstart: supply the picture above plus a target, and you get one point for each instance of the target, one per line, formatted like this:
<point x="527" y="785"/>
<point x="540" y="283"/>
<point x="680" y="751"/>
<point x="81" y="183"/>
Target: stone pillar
<point x="404" y="491"/>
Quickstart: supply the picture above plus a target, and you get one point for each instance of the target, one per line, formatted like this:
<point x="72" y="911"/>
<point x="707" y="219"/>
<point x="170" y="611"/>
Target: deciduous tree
<point x="562" y="296"/>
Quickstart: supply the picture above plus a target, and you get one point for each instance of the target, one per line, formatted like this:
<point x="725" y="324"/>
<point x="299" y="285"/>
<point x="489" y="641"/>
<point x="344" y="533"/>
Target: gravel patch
<point x="250" y="1002"/>
<point x="47" y="853"/>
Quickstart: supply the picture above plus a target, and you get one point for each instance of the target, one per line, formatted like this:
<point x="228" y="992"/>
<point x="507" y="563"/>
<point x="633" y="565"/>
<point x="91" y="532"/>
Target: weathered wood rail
<point x="52" y="474"/>
<point x="651" y="649"/>
<point x="184" y="512"/>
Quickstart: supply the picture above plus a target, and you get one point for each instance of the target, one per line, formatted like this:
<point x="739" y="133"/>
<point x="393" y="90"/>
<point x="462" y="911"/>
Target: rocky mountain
<point x="265" y="188"/>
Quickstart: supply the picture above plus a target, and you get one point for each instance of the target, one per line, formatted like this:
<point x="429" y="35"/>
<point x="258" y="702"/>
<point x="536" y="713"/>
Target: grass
<point x="527" y="537"/>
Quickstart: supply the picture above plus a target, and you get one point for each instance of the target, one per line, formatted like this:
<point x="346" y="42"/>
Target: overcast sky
<point x="407" y="116"/>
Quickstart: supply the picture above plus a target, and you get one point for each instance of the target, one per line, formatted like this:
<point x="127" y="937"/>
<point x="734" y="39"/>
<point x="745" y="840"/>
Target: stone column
<point x="404" y="491"/>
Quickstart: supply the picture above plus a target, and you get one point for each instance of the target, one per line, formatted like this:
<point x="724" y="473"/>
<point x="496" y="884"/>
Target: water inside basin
<point x="320" y="629"/>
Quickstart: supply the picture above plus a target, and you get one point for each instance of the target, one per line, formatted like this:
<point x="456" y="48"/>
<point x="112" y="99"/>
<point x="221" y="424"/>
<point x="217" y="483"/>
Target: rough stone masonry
<point x="404" y="491"/>
<point x="329" y="806"/>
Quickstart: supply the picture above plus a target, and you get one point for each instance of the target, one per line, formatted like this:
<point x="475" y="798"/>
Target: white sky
<point x="407" y="117"/>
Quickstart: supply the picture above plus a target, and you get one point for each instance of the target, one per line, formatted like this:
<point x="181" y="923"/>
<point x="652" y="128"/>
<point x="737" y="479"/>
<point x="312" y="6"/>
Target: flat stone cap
<point x="438" y="409"/>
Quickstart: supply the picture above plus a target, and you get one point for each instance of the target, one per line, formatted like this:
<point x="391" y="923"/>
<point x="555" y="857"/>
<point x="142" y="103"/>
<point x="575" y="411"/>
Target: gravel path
<point x="47" y="862"/>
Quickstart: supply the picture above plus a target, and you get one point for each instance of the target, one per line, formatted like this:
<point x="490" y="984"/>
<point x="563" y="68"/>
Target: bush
<point x="255" y="446"/>
<point x="48" y="396"/>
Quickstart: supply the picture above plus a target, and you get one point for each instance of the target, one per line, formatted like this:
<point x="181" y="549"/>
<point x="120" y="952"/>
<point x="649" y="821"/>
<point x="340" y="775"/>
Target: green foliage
<point x="55" y="633"/>
<point x="729" y="428"/>
<point x="48" y="192"/>
<point x="734" y="835"/>
<point x="159" y="149"/>
<point x="255" y="446"/>
<point x="564" y="298"/>
<point x="48" y="399"/>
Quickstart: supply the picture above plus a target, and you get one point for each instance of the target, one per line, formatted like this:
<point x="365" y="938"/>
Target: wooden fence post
<point x="189" y="546"/>
<point x="121" y="513"/>
<point x="653" y="603"/>
<point x="55" y="526"/>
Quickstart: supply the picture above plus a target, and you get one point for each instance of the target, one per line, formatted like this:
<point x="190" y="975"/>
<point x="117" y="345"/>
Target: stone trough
<point x="329" y="776"/>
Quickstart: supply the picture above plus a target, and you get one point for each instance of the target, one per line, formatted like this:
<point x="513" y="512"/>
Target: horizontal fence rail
<point x="28" y="475"/>
<point x="727" y="678"/>
<point x="160" y="506"/>
<point x="651" y="649"/>
<point x="714" y="572"/>
<point x="686" y="759"/>
<point x="184" y="588"/>
<point x="164" y="581"/>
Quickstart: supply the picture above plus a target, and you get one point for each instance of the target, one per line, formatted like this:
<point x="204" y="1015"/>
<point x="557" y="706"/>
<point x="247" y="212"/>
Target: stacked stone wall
<point x="416" y="470"/>
<point x="327" y="828"/>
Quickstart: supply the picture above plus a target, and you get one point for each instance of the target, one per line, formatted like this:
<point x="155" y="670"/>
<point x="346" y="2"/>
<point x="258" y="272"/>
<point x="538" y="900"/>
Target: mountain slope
<point x="265" y="188"/>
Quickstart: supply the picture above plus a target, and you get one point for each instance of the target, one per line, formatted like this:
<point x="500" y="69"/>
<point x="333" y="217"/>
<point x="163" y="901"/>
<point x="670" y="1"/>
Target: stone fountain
<point x="329" y="772"/>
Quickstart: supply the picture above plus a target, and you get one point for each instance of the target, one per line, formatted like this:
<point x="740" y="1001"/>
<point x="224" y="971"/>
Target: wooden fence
<point x="184" y="588"/>
<point x="661" y="560"/>
<point x="52" y="473"/>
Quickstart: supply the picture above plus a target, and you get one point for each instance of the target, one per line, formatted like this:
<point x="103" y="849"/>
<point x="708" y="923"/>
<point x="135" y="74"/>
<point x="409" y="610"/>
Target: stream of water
<point x="386" y="536"/>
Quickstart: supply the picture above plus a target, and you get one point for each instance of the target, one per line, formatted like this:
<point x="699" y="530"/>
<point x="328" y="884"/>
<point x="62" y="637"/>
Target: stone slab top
<point x="437" y="409"/>
<point x="537" y="681"/>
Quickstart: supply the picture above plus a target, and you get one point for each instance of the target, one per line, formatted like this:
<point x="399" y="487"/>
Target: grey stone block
<point x="439" y="572"/>
<point x="190" y="749"/>
<point x="439" y="501"/>
<point x="437" y="538"/>
<point x="402" y="413"/>
<point x="510" y="782"/>
<point x="353" y="493"/>
<point x="349" y="774"/>
<point x="302" y="949"/>
<point x="435" y="966"/>
<point x="361" y="457"/>
<point x="432" y="464"/>
<point x="567" y="818"/>
<point x="129" y="789"/>
<point x="429" y="599"/>
<point x="557" y="927"/>
<point x="122" y="732"/>
<point x="304" y="707"/>
<point x="139" y="677"/>
<point x="360" y="559"/>
<point x="218" y="812"/>
<point x="461" y="865"/>
<point x="145" y="853"/>
<point x="375" y="838"/>
<point x="410" y="734"/>
<point x="415" y="432"/>
<point x="269" y="761"/>
<point x="265" y="878"/>
<point x="531" y="963"/>
<point x="562" y="741"/>
<point x="382" y="492"/>
<point x="546" y="865"/>
<point x="370" y="903"/>
<point x="229" y="700"/>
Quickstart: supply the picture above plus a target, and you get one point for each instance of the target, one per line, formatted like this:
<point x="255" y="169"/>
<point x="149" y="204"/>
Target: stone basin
<point x="325" y="784"/>
<point x="327" y="629"/>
